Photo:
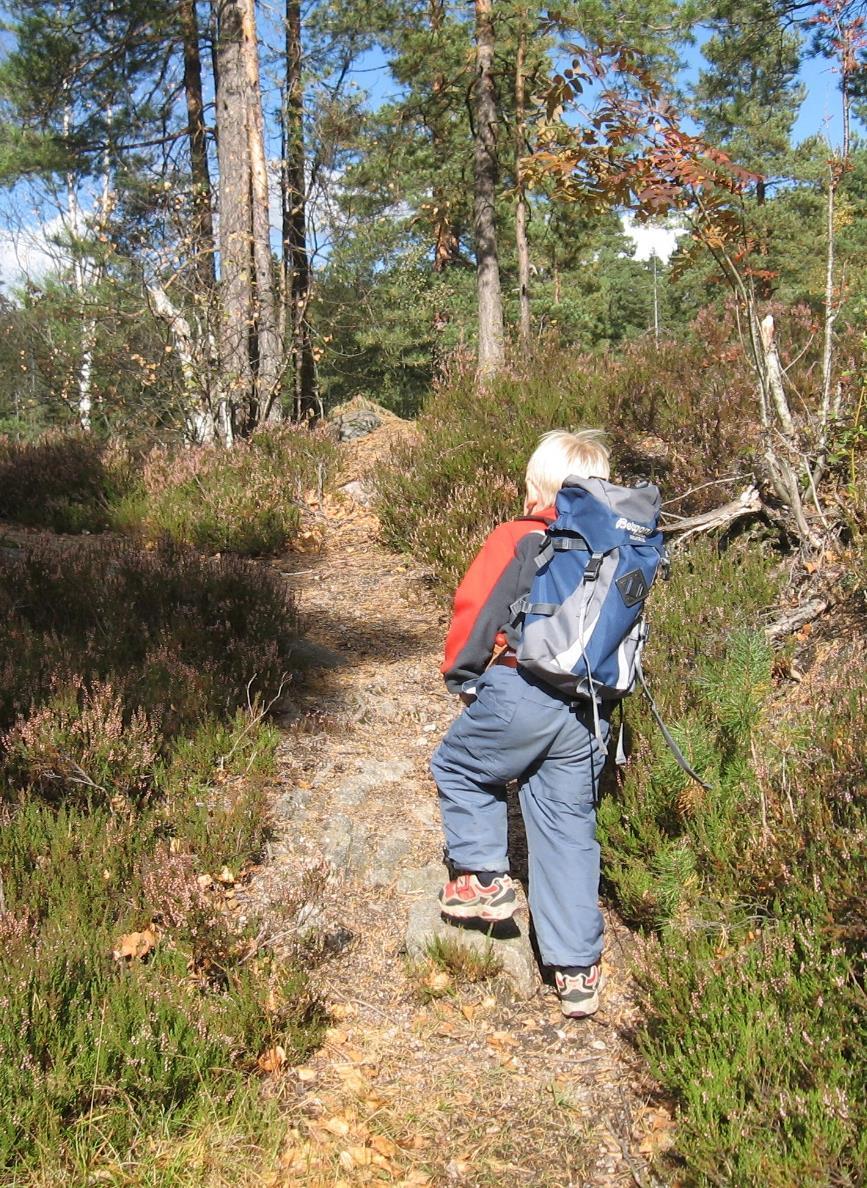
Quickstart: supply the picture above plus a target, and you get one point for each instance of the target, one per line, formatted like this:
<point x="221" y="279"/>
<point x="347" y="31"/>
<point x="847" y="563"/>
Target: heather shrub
<point x="755" y="1030"/>
<point x="135" y="761"/>
<point x="97" y="1059"/>
<point x="214" y="786"/>
<point x="100" y="1053"/>
<point x="680" y="412"/>
<point x="176" y="635"/>
<point x="62" y="482"/>
<point x="81" y="745"/>
<point x="440" y="497"/>
<point x="753" y="985"/>
<point x="245" y="500"/>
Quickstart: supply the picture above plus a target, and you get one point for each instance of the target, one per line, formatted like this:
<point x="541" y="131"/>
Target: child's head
<point x="559" y="454"/>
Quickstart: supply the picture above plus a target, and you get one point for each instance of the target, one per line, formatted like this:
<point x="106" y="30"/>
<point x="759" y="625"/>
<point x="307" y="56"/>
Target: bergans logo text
<point x="631" y="526"/>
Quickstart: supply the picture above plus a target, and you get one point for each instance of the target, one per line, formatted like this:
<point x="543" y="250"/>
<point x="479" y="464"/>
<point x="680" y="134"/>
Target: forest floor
<point x="423" y="1078"/>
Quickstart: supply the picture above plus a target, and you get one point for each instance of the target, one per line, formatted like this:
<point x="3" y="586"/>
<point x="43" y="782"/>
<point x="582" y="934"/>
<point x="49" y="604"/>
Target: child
<point x="515" y="727"/>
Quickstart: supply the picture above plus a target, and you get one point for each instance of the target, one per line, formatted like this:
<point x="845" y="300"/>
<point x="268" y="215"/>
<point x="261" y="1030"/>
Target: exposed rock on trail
<point x="422" y="1079"/>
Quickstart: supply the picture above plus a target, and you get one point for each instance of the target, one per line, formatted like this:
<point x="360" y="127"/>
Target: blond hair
<point x="560" y="454"/>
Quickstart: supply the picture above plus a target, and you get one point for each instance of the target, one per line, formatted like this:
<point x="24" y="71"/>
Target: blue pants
<point x="517" y="730"/>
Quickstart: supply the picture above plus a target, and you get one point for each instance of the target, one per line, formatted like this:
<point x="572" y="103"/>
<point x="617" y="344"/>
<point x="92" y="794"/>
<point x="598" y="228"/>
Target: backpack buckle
<point x="591" y="573"/>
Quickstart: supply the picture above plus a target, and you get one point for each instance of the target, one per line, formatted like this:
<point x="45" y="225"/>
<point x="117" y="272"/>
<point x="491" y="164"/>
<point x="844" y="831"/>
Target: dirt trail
<point x="471" y="1088"/>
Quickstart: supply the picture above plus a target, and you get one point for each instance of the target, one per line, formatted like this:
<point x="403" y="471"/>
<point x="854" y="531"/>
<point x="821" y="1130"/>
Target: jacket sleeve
<point x="501" y="573"/>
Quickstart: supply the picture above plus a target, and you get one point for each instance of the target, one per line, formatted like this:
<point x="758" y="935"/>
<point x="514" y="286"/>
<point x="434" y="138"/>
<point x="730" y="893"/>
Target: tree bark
<point x="296" y="259"/>
<point x="204" y="268"/>
<point x="521" y="212"/>
<point x="445" y="239"/>
<point x="236" y="281"/>
<point x="490" y="302"/>
<point x="269" y="351"/>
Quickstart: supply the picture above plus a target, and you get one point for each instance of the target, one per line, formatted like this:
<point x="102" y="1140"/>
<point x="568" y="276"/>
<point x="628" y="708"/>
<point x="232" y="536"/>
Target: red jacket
<point x="502" y="572"/>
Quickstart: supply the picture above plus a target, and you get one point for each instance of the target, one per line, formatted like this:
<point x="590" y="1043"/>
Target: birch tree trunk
<point x="491" y="349"/>
<point x="269" y="349"/>
<point x="236" y="281"/>
<point x="296" y="259"/>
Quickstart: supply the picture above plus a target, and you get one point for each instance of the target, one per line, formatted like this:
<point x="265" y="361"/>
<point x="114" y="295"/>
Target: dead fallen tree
<point x="796" y="618"/>
<point x="748" y="503"/>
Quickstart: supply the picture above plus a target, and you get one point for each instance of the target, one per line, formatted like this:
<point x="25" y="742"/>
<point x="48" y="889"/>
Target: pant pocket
<point x="498" y="693"/>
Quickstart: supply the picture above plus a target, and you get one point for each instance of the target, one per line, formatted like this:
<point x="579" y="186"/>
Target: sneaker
<point x="465" y="898"/>
<point x="579" y="993"/>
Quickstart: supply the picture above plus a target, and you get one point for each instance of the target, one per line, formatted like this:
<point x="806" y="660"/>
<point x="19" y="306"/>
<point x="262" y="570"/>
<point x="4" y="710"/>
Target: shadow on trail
<point x="495" y="929"/>
<point x="332" y="640"/>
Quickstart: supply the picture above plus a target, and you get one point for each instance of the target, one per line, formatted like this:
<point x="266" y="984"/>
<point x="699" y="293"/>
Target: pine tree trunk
<point x="491" y="350"/>
<point x="296" y="260"/>
<point x="204" y="270"/>
<point x="236" y="277"/>
<point x="445" y="239"/>
<point x="521" y="244"/>
<point x="269" y="349"/>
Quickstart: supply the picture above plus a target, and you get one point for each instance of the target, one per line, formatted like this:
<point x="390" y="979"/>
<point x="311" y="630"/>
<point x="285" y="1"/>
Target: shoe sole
<point x="468" y="911"/>
<point x="584" y="1011"/>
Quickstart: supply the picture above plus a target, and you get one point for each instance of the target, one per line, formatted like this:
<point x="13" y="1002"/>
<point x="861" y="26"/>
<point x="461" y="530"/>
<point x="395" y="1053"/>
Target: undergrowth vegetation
<point x="139" y="1006"/>
<point x="247" y="500"/>
<point x="749" y="892"/>
<point x="755" y="982"/>
<point x="63" y="482"/>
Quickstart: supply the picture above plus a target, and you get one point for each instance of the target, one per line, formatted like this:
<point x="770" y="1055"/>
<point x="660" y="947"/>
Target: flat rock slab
<point x="509" y="939"/>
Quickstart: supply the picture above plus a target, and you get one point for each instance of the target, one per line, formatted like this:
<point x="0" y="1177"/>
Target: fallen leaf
<point x="272" y="1059"/>
<point x="384" y="1146"/>
<point x="337" y="1126"/>
<point x="438" y="981"/>
<point x="468" y="1011"/>
<point x="226" y="876"/>
<point x="374" y="1102"/>
<point x="205" y="881"/>
<point x="341" y="1010"/>
<point x="362" y="1156"/>
<point x="354" y="1081"/>
<point x="333" y="1035"/>
<point x="135" y="945"/>
<point x="305" y="1074"/>
<point x="501" y="1039"/>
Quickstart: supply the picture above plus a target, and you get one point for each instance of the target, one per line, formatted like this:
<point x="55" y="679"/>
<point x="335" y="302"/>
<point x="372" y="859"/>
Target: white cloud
<point x="29" y="252"/>
<point x="653" y="239"/>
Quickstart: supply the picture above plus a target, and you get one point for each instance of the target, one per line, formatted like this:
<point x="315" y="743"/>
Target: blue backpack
<point x="581" y="625"/>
